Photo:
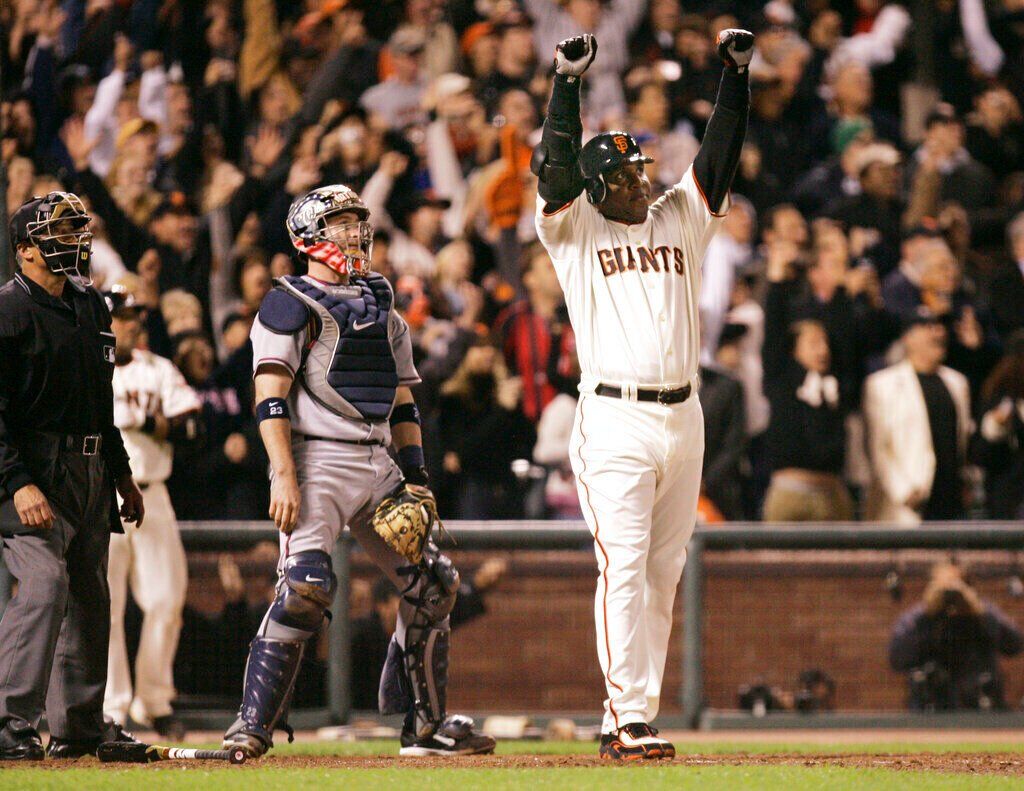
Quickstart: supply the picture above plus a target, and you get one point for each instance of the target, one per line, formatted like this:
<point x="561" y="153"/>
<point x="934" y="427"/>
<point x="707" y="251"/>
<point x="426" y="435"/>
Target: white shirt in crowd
<point x="724" y="256"/>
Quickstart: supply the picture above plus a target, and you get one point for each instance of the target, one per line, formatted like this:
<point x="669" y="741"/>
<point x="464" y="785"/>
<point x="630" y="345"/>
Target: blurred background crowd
<point x="862" y="305"/>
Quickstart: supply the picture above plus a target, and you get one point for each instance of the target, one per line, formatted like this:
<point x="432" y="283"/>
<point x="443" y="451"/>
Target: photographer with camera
<point x="949" y="646"/>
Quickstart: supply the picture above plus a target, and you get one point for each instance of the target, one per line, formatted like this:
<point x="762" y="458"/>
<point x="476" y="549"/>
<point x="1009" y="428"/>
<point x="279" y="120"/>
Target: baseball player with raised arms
<point x="155" y="409"/>
<point x="630" y="270"/>
<point x="332" y="362"/>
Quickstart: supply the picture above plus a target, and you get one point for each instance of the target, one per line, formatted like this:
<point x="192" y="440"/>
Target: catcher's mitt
<point x="405" y="519"/>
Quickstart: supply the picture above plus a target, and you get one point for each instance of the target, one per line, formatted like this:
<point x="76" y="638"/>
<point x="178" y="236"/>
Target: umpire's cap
<point x="604" y="153"/>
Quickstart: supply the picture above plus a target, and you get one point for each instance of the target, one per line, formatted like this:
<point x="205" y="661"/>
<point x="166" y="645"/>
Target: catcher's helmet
<point x="58" y="225"/>
<point x="604" y="153"/>
<point x="344" y="248"/>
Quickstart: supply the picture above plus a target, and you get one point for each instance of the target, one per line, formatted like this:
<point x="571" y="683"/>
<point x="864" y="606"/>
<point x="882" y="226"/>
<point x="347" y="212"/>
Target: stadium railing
<point x="573" y="535"/>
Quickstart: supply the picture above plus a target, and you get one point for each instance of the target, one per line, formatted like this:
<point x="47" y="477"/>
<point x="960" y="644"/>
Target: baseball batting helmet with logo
<point x="604" y="153"/>
<point x="344" y="248"/>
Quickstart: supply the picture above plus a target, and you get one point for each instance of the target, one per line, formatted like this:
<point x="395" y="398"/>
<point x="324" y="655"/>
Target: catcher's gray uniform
<point x="348" y="352"/>
<point x="344" y="478"/>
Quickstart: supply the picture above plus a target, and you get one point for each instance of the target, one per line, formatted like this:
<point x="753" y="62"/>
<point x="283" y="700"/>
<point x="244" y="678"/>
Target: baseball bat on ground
<point x="139" y="753"/>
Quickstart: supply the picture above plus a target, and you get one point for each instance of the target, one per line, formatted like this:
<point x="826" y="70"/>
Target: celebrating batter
<point x="630" y="270"/>
<point x="333" y="366"/>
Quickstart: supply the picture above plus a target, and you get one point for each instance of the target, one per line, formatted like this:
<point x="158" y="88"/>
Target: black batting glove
<point x="573" y="56"/>
<point x="736" y="48"/>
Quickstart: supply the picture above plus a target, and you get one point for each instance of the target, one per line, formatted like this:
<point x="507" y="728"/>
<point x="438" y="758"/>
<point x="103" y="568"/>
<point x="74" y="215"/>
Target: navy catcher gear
<point x="603" y="154"/>
<point x="283" y="313"/>
<point x="59" y="226"/>
<point x="351" y="370"/>
<point x="270" y="677"/>
<point x="344" y="248"/>
<point x="416" y="669"/>
<point x="306" y="590"/>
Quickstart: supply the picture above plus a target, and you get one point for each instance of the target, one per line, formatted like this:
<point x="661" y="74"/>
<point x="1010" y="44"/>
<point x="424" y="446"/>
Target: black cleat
<point x="635" y="742"/>
<point x="455" y="737"/>
<point x="252" y="740"/>
<point x="20" y="742"/>
<point x="69" y="749"/>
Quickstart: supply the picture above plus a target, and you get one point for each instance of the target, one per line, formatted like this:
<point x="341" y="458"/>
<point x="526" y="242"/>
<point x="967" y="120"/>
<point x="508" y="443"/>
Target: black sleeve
<point x="1008" y="639"/>
<point x="187" y="428"/>
<point x="247" y="198"/>
<point x="908" y="646"/>
<point x="468" y="605"/>
<point x="554" y="161"/>
<point x="128" y="239"/>
<point x="13" y="474"/>
<point x="775" y="350"/>
<point x="719" y="153"/>
<point x="734" y="442"/>
<point x="343" y="76"/>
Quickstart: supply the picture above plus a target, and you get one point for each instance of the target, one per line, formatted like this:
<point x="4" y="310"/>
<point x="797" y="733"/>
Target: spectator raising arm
<point x="984" y="50"/>
<point x="101" y="122"/>
<point x="378" y="189"/>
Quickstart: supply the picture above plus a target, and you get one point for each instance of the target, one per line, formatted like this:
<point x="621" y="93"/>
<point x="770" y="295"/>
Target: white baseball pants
<point x="638" y="468"/>
<point x="151" y="559"/>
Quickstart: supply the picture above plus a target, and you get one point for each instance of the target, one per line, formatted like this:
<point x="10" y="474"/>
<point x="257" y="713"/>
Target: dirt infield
<point x="999" y="763"/>
<point x="1008" y="764"/>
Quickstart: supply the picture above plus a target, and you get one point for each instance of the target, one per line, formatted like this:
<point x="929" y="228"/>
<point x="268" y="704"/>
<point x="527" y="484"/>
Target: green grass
<point x="385" y="747"/>
<point x="789" y="778"/>
<point x="221" y="777"/>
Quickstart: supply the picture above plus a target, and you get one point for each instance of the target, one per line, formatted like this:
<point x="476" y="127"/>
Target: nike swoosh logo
<point x="357" y="326"/>
<point x="313" y="579"/>
<point x="447" y="741"/>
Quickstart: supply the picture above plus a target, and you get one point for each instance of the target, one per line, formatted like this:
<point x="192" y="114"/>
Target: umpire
<point x="61" y="459"/>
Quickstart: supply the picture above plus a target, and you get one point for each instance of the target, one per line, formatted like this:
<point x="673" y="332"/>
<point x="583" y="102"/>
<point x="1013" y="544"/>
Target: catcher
<point x="332" y="362"/>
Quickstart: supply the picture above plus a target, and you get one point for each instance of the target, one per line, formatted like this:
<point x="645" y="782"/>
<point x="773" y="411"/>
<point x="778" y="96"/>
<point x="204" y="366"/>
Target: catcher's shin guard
<point x="415" y="677"/>
<point x="270" y="677"/>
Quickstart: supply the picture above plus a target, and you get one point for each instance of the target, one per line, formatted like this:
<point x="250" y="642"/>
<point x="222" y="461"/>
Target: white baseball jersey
<point x="632" y="291"/>
<point x="149" y="385"/>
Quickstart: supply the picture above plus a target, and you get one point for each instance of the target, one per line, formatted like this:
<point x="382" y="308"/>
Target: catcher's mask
<point x="604" y="153"/>
<point x="59" y="227"/>
<point x="316" y="233"/>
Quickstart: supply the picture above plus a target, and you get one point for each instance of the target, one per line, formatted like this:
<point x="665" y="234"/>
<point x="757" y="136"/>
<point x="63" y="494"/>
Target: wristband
<point x="413" y="465"/>
<point x="272" y="408"/>
<point x="405" y="413"/>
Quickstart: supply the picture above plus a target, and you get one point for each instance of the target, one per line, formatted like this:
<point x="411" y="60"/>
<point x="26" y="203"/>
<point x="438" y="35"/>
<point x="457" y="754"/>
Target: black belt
<point x="363" y="442"/>
<point x="663" y="396"/>
<point x="82" y="444"/>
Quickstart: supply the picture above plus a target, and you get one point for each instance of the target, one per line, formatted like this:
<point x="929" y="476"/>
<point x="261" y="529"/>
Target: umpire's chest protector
<point x="350" y="367"/>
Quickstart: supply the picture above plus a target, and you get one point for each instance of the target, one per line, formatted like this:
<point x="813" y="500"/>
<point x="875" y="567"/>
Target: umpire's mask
<point x="59" y="227"/>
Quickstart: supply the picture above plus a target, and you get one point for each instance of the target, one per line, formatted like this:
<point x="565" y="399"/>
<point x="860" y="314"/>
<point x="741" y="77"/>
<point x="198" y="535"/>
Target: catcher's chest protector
<point x="350" y="368"/>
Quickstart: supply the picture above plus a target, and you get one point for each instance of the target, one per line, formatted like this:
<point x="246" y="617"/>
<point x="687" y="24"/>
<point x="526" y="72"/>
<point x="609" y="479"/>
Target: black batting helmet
<point x="604" y="153"/>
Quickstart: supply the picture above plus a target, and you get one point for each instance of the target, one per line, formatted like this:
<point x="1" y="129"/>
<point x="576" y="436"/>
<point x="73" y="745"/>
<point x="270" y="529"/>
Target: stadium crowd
<point x="862" y="305"/>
